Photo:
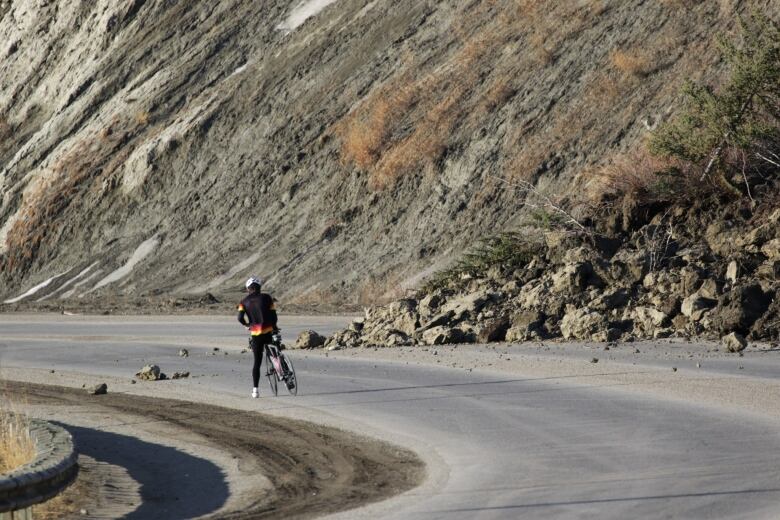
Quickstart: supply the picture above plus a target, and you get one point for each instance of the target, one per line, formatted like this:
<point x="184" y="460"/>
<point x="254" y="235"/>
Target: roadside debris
<point x="309" y="339"/>
<point x="100" y="389"/>
<point x="734" y="342"/>
<point x="151" y="373"/>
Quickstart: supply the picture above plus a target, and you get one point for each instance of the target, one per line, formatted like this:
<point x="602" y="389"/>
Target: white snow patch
<point x="302" y="12"/>
<point x="139" y="254"/>
<point x="240" y="69"/>
<point x="4" y="231"/>
<point x="69" y="282"/>
<point x="85" y="281"/>
<point x="35" y="289"/>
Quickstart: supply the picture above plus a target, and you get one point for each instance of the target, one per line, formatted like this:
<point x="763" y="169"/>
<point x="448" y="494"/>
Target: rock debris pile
<point x="682" y="274"/>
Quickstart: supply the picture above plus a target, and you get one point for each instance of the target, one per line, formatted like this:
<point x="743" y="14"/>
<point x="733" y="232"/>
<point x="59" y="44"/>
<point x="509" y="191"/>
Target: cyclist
<point x="256" y="312"/>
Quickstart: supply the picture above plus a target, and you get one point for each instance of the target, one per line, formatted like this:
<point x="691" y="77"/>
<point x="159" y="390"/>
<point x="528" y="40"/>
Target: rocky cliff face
<point x="341" y="149"/>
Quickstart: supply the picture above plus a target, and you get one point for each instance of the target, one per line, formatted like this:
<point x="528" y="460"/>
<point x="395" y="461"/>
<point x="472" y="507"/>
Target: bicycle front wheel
<point x="290" y="380"/>
<point x="270" y="371"/>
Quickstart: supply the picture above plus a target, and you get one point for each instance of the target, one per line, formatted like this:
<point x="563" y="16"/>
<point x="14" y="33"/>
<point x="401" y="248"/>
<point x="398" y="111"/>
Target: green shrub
<point x="736" y="128"/>
<point x="506" y="251"/>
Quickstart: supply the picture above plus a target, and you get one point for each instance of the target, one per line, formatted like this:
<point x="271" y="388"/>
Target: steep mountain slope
<point x="188" y="145"/>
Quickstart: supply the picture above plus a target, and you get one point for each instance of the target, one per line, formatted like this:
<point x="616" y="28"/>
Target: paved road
<point x="500" y="446"/>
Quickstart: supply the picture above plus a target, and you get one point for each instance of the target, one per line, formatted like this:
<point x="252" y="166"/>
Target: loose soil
<point x="314" y="470"/>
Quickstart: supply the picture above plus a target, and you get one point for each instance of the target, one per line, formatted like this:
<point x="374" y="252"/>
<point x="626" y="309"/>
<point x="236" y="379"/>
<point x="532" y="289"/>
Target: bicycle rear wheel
<point x="270" y="371"/>
<point x="289" y="378"/>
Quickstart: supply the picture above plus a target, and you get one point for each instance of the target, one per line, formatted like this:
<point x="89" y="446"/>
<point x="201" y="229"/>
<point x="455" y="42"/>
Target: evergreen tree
<point x="741" y="119"/>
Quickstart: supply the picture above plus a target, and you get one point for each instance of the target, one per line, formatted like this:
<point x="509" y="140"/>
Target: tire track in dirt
<point x="314" y="470"/>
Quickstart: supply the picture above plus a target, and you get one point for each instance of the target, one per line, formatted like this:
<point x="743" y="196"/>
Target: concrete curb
<point x="52" y="470"/>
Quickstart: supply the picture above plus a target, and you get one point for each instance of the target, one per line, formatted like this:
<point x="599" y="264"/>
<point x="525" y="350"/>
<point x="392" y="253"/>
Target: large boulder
<point x="631" y="266"/>
<point x="769" y="270"/>
<point x="734" y="342"/>
<point x="754" y="240"/>
<point x="733" y="271"/>
<point x="459" y="309"/>
<point x="445" y="336"/>
<point x="573" y="278"/>
<point x="722" y="237"/>
<point x="526" y="325"/>
<point x="150" y="373"/>
<point x="613" y="299"/>
<point x="768" y="326"/>
<point x="429" y="305"/>
<point x="396" y="338"/>
<point x="309" y="339"/>
<point x="582" y="323"/>
<point x="343" y="339"/>
<point x="690" y="280"/>
<point x="533" y="294"/>
<point x="772" y="249"/>
<point x="739" y="308"/>
<point x="400" y="315"/>
<point x="494" y="330"/>
<point x="710" y="289"/>
<point x="468" y="305"/>
<point x="403" y="316"/>
<point x="695" y="305"/>
<point x="650" y="318"/>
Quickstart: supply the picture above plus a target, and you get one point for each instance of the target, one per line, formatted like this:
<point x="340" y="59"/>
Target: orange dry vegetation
<point x="634" y="62"/>
<point x="628" y="173"/>
<point x="407" y="124"/>
<point x="497" y="50"/>
<point x="84" y="171"/>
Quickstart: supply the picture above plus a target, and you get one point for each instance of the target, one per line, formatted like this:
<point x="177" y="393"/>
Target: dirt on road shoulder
<point x="313" y="469"/>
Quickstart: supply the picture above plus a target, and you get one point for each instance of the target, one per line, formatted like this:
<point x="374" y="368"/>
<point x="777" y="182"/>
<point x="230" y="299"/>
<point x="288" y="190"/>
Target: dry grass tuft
<point x="635" y="62"/>
<point x="626" y="173"/>
<point x="16" y="446"/>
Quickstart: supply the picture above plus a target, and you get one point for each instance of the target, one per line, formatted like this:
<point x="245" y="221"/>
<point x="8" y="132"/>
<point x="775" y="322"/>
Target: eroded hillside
<point x="153" y="147"/>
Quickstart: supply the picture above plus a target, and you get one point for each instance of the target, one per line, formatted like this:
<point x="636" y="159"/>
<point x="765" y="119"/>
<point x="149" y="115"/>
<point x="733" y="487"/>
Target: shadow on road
<point x="174" y="485"/>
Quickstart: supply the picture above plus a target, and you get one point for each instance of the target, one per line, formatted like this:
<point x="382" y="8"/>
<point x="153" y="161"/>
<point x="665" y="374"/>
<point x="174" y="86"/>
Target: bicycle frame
<point x="273" y="353"/>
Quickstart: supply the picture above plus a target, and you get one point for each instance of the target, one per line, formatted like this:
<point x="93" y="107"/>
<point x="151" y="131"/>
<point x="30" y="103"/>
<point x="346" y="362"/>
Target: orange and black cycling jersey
<point x="257" y="312"/>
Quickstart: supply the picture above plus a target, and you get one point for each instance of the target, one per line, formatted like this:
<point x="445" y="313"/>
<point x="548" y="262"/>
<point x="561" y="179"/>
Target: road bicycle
<point x="279" y="368"/>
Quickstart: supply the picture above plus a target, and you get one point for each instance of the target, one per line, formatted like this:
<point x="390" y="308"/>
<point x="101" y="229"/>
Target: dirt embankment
<point x="313" y="469"/>
<point x="152" y="147"/>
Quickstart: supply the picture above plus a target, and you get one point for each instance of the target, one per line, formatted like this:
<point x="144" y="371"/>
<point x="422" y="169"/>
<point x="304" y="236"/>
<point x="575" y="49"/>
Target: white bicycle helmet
<point x="253" y="280"/>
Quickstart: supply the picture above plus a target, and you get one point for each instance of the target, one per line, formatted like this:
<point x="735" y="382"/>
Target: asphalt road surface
<point x="497" y="446"/>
